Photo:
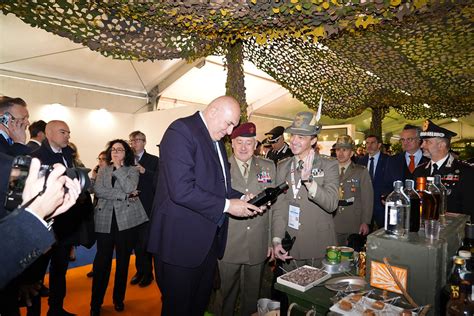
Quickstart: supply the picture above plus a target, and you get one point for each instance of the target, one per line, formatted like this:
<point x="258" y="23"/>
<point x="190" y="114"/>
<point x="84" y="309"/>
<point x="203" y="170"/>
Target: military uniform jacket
<point x="248" y="238"/>
<point x="283" y="153"/>
<point x="458" y="177"/>
<point x="128" y="213"/>
<point x="316" y="230"/>
<point x="354" y="185"/>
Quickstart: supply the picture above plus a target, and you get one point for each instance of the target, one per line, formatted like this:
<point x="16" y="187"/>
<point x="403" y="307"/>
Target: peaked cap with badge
<point x="274" y="134"/>
<point x="431" y="130"/>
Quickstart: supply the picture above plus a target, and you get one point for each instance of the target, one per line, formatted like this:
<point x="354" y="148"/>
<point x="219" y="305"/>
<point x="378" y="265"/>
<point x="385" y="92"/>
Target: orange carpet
<point x="138" y="301"/>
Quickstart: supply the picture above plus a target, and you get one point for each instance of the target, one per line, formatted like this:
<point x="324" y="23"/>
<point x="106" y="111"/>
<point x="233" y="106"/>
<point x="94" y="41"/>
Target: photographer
<point x="26" y="227"/>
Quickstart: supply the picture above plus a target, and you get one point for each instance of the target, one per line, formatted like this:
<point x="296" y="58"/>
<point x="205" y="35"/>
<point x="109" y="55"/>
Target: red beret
<point x="244" y="130"/>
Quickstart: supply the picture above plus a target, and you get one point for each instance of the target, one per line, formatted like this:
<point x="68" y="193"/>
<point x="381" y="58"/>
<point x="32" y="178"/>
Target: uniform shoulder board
<point x="327" y="157"/>
<point x="356" y="166"/>
<point x="264" y="159"/>
<point x="284" y="160"/>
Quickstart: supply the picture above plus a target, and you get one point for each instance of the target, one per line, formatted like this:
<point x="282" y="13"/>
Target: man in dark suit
<point x="14" y="120"/>
<point x="401" y="166"/>
<point x="147" y="165"/>
<point x="376" y="161"/>
<point x="55" y="149"/>
<point x="456" y="175"/>
<point x="37" y="134"/>
<point x="188" y="230"/>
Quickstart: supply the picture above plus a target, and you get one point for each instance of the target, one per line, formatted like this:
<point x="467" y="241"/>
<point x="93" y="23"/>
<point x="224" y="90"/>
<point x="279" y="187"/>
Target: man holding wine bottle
<point x="305" y="212"/>
<point x="456" y="175"/>
<point x="248" y="243"/>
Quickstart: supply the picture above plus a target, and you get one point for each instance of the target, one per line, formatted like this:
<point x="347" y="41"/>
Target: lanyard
<point x="295" y="187"/>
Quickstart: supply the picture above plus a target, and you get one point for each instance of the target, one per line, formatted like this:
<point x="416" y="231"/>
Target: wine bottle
<point x="268" y="195"/>
<point x="428" y="201"/>
<point x="414" y="205"/>
<point x="461" y="305"/>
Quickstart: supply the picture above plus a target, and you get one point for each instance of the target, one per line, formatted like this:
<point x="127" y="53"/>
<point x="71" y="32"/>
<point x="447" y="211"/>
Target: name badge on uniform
<point x="316" y="173"/>
<point x="294" y="217"/>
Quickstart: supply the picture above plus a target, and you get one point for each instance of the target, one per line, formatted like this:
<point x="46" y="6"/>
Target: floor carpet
<point x="138" y="301"/>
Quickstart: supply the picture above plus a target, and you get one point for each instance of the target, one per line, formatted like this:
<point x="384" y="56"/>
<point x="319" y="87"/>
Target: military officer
<point x="305" y="211"/>
<point x="456" y="175"/>
<point x="355" y="194"/>
<point x="280" y="149"/>
<point x="248" y="242"/>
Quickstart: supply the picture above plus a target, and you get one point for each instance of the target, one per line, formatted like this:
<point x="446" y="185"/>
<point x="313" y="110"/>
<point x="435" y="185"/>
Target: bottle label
<point x="454" y="291"/>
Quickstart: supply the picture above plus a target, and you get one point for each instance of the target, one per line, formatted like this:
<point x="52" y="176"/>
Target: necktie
<point x="246" y="170"/>
<point x="342" y="172"/>
<point x="435" y="169"/>
<point x="300" y="165"/>
<point x="137" y="159"/>
<point x="411" y="166"/>
<point x="10" y="141"/>
<point x="371" y="168"/>
<point x="215" y="146"/>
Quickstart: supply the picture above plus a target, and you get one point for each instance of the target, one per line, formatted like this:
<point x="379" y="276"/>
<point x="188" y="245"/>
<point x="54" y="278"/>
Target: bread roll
<point x="345" y="305"/>
<point x="378" y="305"/>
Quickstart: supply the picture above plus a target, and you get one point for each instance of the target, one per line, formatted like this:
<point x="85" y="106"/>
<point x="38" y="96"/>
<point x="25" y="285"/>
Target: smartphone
<point x="5" y="119"/>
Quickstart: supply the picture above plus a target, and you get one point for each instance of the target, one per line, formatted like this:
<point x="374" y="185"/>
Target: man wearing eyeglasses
<point x="147" y="165"/>
<point x="401" y="166"/>
<point x="13" y="123"/>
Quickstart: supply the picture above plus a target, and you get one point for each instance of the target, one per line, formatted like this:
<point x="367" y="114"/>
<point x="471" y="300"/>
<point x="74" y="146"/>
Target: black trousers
<point x="123" y="242"/>
<point x="186" y="291"/>
<point x="57" y="275"/>
<point x="143" y="261"/>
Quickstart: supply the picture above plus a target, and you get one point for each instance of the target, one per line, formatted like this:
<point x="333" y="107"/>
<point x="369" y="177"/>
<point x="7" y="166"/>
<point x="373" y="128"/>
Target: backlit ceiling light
<point x="426" y="105"/>
<point x="454" y="119"/>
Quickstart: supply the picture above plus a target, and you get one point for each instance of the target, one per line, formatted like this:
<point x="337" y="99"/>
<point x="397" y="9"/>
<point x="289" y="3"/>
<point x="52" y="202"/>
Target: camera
<point x="19" y="173"/>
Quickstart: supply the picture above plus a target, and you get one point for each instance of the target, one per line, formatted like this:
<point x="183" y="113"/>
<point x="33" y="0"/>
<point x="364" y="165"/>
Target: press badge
<point x="294" y="217"/>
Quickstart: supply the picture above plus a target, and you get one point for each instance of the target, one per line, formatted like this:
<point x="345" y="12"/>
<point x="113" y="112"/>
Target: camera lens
<point x="81" y="174"/>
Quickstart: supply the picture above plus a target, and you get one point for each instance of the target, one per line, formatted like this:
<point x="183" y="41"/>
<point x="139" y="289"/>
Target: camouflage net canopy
<point x="359" y="53"/>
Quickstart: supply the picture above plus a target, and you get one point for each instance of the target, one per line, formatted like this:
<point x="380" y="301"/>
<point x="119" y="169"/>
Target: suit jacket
<point x="24" y="239"/>
<point x="66" y="225"/>
<point x="190" y="196"/>
<point x="316" y="230"/>
<point x="33" y="145"/>
<point x="14" y="150"/>
<point x="458" y="177"/>
<point x="147" y="180"/>
<point x="128" y="213"/>
<point x="397" y="169"/>
<point x="379" y="186"/>
<point x="5" y="169"/>
<point x="355" y="184"/>
<point x="248" y="238"/>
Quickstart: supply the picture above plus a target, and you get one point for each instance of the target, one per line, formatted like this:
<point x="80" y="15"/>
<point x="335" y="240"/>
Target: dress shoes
<point x="146" y="280"/>
<point x="59" y="312"/>
<point x="119" y="306"/>
<point x="95" y="312"/>
<point x="136" y="279"/>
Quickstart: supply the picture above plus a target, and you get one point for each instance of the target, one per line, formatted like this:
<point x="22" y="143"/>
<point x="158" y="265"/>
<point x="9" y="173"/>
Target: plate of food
<point x="346" y="284"/>
<point x="358" y="304"/>
<point x="303" y="278"/>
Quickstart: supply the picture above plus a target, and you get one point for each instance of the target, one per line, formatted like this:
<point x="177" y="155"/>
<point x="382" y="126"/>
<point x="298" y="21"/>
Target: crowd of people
<point x="188" y="214"/>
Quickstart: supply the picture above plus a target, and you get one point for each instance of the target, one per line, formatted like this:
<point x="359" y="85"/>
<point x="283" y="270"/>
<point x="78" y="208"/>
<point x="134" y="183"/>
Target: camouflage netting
<point x="359" y="54"/>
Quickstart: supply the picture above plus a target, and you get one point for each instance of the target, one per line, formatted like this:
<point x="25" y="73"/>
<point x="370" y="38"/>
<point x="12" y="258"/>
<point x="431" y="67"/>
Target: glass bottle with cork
<point x="427" y="200"/>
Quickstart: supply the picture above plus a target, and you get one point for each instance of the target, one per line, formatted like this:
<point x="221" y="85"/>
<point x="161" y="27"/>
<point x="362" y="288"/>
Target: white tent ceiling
<point x="33" y="54"/>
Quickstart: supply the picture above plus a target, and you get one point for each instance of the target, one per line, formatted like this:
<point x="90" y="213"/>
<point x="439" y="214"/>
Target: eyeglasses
<point x="408" y="140"/>
<point x="101" y="159"/>
<point x="136" y="140"/>
<point x="118" y="150"/>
